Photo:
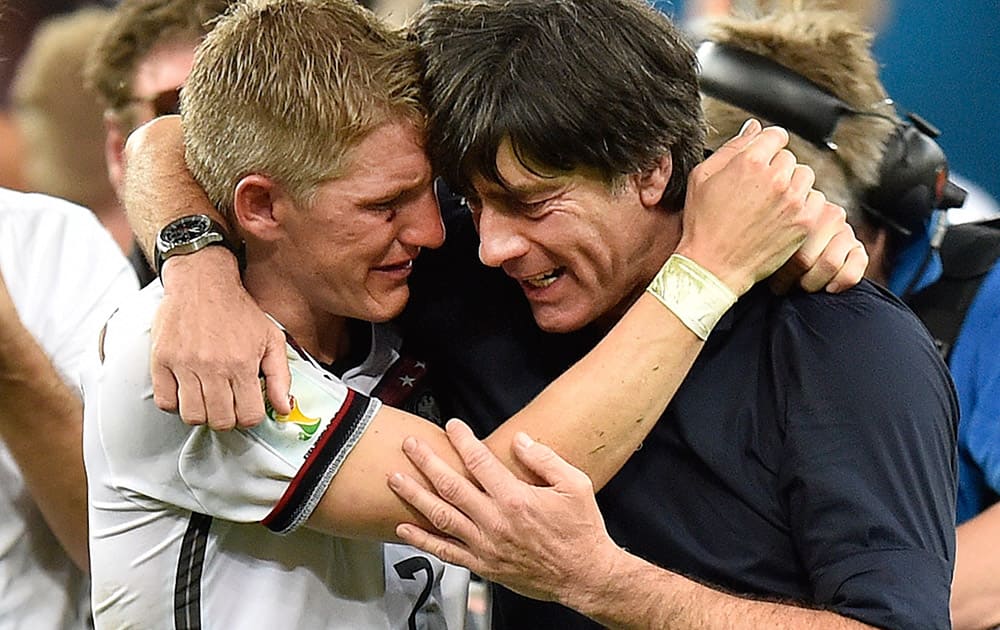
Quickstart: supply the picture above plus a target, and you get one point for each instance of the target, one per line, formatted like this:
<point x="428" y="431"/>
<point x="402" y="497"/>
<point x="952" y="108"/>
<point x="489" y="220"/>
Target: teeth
<point x="542" y="280"/>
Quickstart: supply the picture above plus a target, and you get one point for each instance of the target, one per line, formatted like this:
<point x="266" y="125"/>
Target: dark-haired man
<point x="774" y="474"/>
<point x="548" y="140"/>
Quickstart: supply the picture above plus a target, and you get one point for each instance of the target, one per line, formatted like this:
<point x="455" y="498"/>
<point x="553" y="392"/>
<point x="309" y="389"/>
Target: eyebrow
<point x="536" y="186"/>
<point x="403" y="192"/>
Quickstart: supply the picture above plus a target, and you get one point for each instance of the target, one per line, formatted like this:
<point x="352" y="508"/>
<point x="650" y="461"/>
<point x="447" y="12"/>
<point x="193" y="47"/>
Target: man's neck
<point x="666" y="238"/>
<point x="322" y="334"/>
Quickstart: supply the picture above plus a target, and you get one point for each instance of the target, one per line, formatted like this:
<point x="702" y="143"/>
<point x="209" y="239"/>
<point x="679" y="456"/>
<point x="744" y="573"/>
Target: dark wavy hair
<point x="608" y="85"/>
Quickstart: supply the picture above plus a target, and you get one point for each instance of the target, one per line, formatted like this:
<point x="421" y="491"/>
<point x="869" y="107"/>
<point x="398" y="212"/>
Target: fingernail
<point x="750" y="126"/>
<point x="410" y="444"/>
<point x="833" y="287"/>
<point x="522" y="440"/>
<point x="395" y="480"/>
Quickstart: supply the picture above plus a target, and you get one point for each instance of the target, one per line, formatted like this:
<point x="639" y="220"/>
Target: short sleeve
<point x="65" y="273"/>
<point x="275" y="473"/>
<point x="869" y="471"/>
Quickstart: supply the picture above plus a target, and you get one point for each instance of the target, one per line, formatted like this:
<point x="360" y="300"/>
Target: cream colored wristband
<point x="692" y="293"/>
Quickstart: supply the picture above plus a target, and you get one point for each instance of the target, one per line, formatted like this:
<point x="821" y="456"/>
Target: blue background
<point x="942" y="61"/>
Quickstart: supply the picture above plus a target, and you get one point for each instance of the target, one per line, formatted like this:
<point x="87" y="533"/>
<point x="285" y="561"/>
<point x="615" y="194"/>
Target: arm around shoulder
<point x="158" y="186"/>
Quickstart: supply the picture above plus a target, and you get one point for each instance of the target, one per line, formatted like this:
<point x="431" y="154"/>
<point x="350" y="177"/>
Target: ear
<point x="651" y="182"/>
<point x="877" y="246"/>
<point x="258" y="207"/>
<point x="114" y="151"/>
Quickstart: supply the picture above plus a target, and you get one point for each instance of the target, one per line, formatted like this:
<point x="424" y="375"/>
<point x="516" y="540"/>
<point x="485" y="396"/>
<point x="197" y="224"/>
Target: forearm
<point x="975" y="591"/>
<point x="631" y="593"/>
<point x="42" y="427"/>
<point x="599" y="412"/>
<point x="596" y="415"/>
<point x="158" y="186"/>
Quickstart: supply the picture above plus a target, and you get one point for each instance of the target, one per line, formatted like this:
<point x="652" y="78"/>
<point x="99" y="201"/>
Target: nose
<point x="499" y="237"/>
<point x="424" y="227"/>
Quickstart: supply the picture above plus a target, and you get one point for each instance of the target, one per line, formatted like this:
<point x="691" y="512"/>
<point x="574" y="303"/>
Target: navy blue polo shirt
<point x="809" y="455"/>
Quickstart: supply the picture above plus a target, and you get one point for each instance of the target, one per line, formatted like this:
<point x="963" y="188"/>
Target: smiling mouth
<point x="543" y="280"/>
<point x="397" y="267"/>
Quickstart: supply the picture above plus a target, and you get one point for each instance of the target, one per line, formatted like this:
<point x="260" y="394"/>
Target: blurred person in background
<point x="20" y="19"/>
<point x="137" y="67"/>
<point x="61" y="276"/>
<point x="63" y="123"/>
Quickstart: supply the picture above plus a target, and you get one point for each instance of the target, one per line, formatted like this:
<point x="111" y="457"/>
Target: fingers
<point x="190" y="401"/>
<point x="448" y="550"/>
<point x="220" y="407"/>
<point x="721" y="156"/>
<point x="451" y="486"/>
<point x="768" y="146"/>
<point x="455" y="495"/>
<point x="755" y="145"/>
<point x="827" y="248"/>
<point x="164" y="388"/>
<point x="803" y="178"/>
<point x="249" y="401"/>
<point x="491" y="474"/>
<point x="546" y="463"/>
<point x="827" y="220"/>
<point x="277" y="378"/>
<point x="834" y="258"/>
<point x="852" y="272"/>
<point x="208" y="401"/>
<point x="440" y="513"/>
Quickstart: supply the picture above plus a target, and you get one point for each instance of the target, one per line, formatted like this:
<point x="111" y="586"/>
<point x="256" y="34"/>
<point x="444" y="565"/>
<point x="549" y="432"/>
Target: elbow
<point x="975" y="611"/>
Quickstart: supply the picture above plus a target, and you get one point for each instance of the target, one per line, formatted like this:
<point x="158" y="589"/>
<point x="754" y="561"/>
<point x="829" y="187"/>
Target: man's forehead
<point x="168" y="64"/>
<point x="517" y="175"/>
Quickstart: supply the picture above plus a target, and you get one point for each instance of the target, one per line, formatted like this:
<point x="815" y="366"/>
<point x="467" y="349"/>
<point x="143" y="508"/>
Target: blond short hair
<point x="287" y="88"/>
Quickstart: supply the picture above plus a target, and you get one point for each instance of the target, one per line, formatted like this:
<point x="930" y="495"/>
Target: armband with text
<point x="692" y="293"/>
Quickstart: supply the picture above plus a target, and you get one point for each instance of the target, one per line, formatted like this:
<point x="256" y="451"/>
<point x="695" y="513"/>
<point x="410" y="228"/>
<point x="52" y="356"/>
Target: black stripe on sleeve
<point x="187" y="587"/>
<point x="322" y="462"/>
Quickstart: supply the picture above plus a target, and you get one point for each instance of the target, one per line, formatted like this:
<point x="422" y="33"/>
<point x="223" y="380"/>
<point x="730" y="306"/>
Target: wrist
<point x="715" y="262"/>
<point x="601" y="589"/>
<point x="215" y="263"/>
<point x="692" y="293"/>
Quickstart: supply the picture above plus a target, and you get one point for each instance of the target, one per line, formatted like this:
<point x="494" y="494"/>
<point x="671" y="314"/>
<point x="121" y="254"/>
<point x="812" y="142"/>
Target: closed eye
<point x="534" y="209"/>
<point x="388" y="208"/>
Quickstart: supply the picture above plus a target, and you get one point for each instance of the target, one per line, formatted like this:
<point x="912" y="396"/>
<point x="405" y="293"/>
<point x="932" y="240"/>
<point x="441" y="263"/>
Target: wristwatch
<point x="189" y="234"/>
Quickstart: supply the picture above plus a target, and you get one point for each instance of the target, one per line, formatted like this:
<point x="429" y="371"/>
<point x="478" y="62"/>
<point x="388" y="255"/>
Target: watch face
<point x="185" y="230"/>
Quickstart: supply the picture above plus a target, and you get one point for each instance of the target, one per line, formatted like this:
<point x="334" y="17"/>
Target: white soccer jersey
<point x="184" y="520"/>
<point x="65" y="275"/>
